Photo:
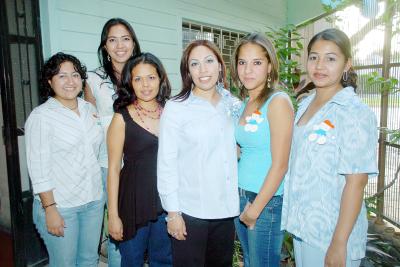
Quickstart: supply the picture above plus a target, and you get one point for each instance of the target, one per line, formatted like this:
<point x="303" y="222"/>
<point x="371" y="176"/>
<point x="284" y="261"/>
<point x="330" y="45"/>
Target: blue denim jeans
<point x="79" y="245"/>
<point x="153" y="238"/>
<point x="114" y="256"/>
<point x="262" y="245"/>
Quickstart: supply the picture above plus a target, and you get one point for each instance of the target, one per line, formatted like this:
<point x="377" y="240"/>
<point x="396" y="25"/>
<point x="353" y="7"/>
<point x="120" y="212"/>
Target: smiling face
<point x="326" y="64"/>
<point x="119" y="44"/>
<point x="204" y="69"/>
<point x="66" y="84"/>
<point x="145" y="82"/>
<point x="253" y="67"/>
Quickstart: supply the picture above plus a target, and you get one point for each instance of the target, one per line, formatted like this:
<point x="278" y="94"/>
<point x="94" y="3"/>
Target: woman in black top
<point x="136" y="217"/>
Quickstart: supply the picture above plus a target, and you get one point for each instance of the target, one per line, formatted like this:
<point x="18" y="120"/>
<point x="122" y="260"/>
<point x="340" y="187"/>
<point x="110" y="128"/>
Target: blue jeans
<point x="114" y="257"/>
<point x="79" y="245"/>
<point x="153" y="237"/>
<point x="262" y="245"/>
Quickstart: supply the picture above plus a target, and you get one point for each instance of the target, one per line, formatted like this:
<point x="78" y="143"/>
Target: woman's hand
<point x="176" y="226"/>
<point x="249" y="216"/>
<point x="115" y="227"/>
<point x="54" y="221"/>
<point x="336" y="255"/>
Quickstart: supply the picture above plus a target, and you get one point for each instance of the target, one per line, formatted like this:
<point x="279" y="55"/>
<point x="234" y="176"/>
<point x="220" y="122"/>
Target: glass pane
<point x="11" y="17"/>
<point x="21" y="82"/>
<point x="29" y="21"/>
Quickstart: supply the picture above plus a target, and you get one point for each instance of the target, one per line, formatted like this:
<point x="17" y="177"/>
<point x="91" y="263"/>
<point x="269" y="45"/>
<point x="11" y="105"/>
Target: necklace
<point x="142" y="111"/>
<point x="147" y="110"/>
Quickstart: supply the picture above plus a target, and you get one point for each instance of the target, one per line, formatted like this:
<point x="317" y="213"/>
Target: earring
<point x="269" y="81"/>
<point x="220" y="82"/>
<point x="108" y="58"/>
<point x="345" y="76"/>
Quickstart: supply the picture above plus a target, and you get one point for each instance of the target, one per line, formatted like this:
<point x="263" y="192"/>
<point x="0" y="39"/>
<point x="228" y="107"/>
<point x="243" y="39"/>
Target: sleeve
<point x="37" y="136"/>
<point x="167" y="159"/>
<point x="91" y="80"/>
<point x="358" y="143"/>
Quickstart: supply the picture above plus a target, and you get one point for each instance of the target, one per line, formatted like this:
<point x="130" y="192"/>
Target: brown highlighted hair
<point x="187" y="81"/>
<point x="269" y="49"/>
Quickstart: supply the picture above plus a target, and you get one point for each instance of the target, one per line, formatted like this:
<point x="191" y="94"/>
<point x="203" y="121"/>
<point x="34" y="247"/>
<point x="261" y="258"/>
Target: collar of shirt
<point x="55" y="104"/>
<point x="343" y="98"/>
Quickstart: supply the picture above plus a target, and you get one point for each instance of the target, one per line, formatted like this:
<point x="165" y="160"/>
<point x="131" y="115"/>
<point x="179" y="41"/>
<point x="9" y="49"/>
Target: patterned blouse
<point x="340" y="139"/>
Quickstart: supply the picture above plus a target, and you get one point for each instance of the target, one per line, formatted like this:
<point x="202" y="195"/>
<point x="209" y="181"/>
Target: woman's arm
<point x="88" y="94"/>
<point x="115" y="145"/>
<point x="54" y="221"/>
<point x="280" y="118"/>
<point x="167" y="170"/>
<point x="38" y="154"/>
<point x="350" y="205"/>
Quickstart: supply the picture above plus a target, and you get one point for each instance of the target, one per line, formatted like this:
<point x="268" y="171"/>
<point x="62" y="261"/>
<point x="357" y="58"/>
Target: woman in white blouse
<point x="63" y="137"/>
<point x="197" y="162"/>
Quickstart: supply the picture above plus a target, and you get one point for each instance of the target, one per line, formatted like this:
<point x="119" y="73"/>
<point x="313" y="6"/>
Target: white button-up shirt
<point x="62" y="150"/>
<point x="197" y="159"/>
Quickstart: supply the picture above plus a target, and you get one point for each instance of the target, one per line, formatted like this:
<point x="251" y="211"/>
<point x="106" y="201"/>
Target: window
<point x="225" y="39"/>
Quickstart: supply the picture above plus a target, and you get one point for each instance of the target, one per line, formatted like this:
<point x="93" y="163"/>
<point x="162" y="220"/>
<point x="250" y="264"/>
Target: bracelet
<point x="168" y="219"/>
<point x="52" y="204"/>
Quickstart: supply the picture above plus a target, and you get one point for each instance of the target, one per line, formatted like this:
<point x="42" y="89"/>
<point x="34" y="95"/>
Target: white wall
<point x="74" y="26"/>
<point x="299" y="11"/>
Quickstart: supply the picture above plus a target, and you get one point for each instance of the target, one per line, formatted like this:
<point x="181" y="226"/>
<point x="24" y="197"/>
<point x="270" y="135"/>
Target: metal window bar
<point x="225" y="39"/>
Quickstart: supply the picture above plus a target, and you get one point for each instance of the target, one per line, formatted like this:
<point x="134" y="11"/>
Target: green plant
<point x="380" y="253"/>
<point x="287" y="254"/>
<point x="237" y="255"/>
<point x="288" y="45"/>
<point x="390" y="85"/>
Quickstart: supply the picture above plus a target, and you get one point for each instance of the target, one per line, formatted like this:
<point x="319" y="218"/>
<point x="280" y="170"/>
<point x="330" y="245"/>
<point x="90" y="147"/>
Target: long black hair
<point x="126" y="94"/>
<point x="102" y="52"/>
<point x="343" y="42"/>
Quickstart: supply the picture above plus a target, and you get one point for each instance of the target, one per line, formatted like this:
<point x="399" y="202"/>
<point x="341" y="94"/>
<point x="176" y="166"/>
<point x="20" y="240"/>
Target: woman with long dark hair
<point x="264" y="135"/>
<point x="136" y="217"/>
<point x="118" y="43"/>
<point x="197" y="163"/>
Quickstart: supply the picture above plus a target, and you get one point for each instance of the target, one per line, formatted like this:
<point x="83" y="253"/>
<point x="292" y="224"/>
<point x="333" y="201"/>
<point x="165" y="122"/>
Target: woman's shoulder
<point x="97" y="75"/>
<point x="279" y="97"/>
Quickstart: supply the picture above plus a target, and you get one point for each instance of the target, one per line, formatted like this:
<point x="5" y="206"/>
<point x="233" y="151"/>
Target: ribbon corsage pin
<point x="320" y="130"/>
<point x="253" y="121"/>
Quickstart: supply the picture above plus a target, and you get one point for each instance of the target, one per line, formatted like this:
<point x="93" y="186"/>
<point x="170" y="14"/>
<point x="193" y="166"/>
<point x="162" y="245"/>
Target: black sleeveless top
<point x="138" y="200"/>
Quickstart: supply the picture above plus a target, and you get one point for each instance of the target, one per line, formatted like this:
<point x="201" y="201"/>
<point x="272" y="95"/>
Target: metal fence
<point x="375" y="36"/>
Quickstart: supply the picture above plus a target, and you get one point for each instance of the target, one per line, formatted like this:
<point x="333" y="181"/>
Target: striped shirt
<point x="62" y="152"/>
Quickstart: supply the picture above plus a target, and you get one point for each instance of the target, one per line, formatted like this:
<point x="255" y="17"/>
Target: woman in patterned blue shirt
<point x="333" y="153"/>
